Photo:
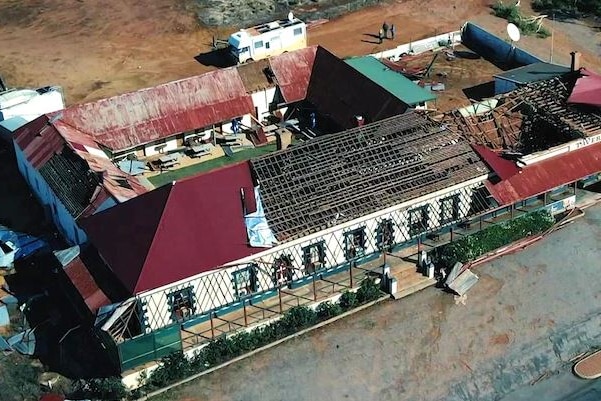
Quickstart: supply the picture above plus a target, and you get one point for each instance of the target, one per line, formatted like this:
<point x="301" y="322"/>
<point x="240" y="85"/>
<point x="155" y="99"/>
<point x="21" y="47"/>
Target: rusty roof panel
<point x="545" y="175"/>
<point x="254" y="76"/>
<point x="135" y="118"/>
<point x="85" y="284"/>
<point x="43" y="138"/>
<point x="293" y="71"/>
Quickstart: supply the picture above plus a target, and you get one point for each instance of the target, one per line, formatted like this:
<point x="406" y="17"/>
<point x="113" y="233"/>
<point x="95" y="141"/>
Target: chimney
<point x="575" y="66"/>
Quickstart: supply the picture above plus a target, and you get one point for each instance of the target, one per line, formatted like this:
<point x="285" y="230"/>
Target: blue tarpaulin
<point x="14" y="245"/>
<point x="259" y="233"/>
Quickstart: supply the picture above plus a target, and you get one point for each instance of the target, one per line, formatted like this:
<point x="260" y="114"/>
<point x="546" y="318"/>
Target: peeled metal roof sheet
<point x="135" y="118"/>
<point x="545" y="175"/>
<point x="293" y="71"/>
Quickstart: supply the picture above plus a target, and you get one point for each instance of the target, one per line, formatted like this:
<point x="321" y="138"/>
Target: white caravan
<point x="266" y="40"/>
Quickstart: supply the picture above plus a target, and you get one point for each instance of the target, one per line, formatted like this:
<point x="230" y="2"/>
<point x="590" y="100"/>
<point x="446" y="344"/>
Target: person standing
<point x="392" y="31"/>
<point x="381" y="35"/>
<point x="385" y="29"/>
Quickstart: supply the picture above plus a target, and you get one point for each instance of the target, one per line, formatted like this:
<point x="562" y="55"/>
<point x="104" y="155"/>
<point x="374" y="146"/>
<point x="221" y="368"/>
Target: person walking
<point x="385" y="29"/>
<point x="392" y="31"/>
<point x="380" y="35"/>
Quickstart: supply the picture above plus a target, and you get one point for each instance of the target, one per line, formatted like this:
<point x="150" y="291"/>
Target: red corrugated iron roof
<point x="85" y="284"/>
<point x="502" y="167"/>
<point x="43" y="137"/>
<point x="545" y="175"/>
<point x="175" y="231"/>
<point x="587" y="89"/>
<point x="140" y="117"/>
<point x="293" y="71"/>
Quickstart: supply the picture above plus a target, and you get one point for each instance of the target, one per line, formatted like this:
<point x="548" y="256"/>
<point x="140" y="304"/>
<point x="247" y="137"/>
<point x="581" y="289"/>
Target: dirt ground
<point x="528" y="315"/>
<point x="100" y="48"/>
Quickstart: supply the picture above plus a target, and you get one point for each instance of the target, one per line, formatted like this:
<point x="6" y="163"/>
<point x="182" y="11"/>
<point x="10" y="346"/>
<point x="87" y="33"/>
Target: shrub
<point x="491" y="238"/>
<point x="105" y="389"/>
<point x="327" y="310"/>
<point x="297" y="318"/>
<point x="368" y="291"/>
<point x="568" y="7"/>
<point x="348" y="300"/>
<point x="19" y="378"/>
<point x="172" y="367"/>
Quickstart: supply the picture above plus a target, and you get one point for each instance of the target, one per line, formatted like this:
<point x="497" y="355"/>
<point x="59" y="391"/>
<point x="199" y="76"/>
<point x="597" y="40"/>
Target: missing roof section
<point x="343" y="176"/>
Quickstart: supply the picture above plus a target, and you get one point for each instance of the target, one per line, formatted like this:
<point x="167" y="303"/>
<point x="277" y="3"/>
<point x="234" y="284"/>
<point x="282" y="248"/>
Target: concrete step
<point x="420" y="285"/>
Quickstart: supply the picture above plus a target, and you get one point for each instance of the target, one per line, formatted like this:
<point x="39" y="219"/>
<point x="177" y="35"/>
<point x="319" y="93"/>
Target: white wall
<point x="64" y="222"/>
<point x="171" y="144"/>
<point x="215" y="289"/>
<point x="262" y="100"/>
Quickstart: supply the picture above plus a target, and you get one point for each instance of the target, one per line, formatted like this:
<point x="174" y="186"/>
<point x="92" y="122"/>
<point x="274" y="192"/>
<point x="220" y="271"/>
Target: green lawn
<point x="174" y="175"/>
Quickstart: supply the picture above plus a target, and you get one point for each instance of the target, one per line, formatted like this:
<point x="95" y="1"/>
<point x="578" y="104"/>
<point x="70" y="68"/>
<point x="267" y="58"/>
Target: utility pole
<point x="552" y="36"/>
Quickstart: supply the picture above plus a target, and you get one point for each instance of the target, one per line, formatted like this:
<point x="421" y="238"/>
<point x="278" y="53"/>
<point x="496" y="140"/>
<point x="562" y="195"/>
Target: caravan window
<point x="258" y="44"/>
<point x="298" y="31"/>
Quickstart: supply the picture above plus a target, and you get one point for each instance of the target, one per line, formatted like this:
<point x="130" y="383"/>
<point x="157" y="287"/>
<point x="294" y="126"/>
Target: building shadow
<point x="216" y="58"/>
<point x="480" y="91"/>
<point x="63" y="341"/>
<point x="468" y="55"/>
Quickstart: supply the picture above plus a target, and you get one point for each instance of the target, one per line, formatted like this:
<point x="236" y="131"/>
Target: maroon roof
<point x="85" y="284"/>
<point x="587" y="89"/>
<point x="135" y="118"/>
<point x="502" y="167"/>
<point x="540" y="177"/>
<point x="293" y="72"/>
<point x="176" y="231"/>
<point x="340" y="92"/>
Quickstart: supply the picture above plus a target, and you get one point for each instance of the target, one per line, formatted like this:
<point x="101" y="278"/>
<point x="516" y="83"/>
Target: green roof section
<point x="394" y="82"/>
<point x="533" y="73"/>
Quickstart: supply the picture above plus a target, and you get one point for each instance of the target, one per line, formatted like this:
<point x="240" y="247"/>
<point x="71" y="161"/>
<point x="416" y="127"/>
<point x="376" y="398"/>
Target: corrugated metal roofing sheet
<point x="85" y="284"/>
<point x="533" y="73"/>
<point x="502" y="167"/>
<point x="175" y="231"/>
<point x="394" y="82"/>
<point x="587" y="89"/>
<point x="293" y="71"/>
<point x="545" y="175"/>
<point x="43" y="138"/>
<point x="128" y="120"/>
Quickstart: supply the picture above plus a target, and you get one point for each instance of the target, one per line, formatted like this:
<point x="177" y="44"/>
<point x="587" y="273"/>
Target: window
<point x="181" y="304"/>
<point x="418" y="220"/>
<point x="267" y="45"/>
<point x="258" y="44"/>
<point x="245" y="280"/>
<point x="385" y="235"/>
<point x="314" y="257"/>
<point x="449" y="209"/>
<point x="283" y="273"/>
<point x="298" y="31"/>
<point x="354" y="243"/>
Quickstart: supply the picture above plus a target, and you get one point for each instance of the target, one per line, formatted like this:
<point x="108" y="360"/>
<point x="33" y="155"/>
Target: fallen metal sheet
<point x="464" y="282"/>
<point x="21" y="245"/>
<point x="132" y="167"/>
<point x="4" y="345"/>
<point x="4" y="317"/>
<point x="66" y="256"/>
<point x="24" y="342"/>
<point x="454" y="273"/>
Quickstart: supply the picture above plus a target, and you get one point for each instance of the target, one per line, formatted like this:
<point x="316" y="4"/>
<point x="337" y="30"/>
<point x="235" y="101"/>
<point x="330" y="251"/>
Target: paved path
<point x="528" y="312"/>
